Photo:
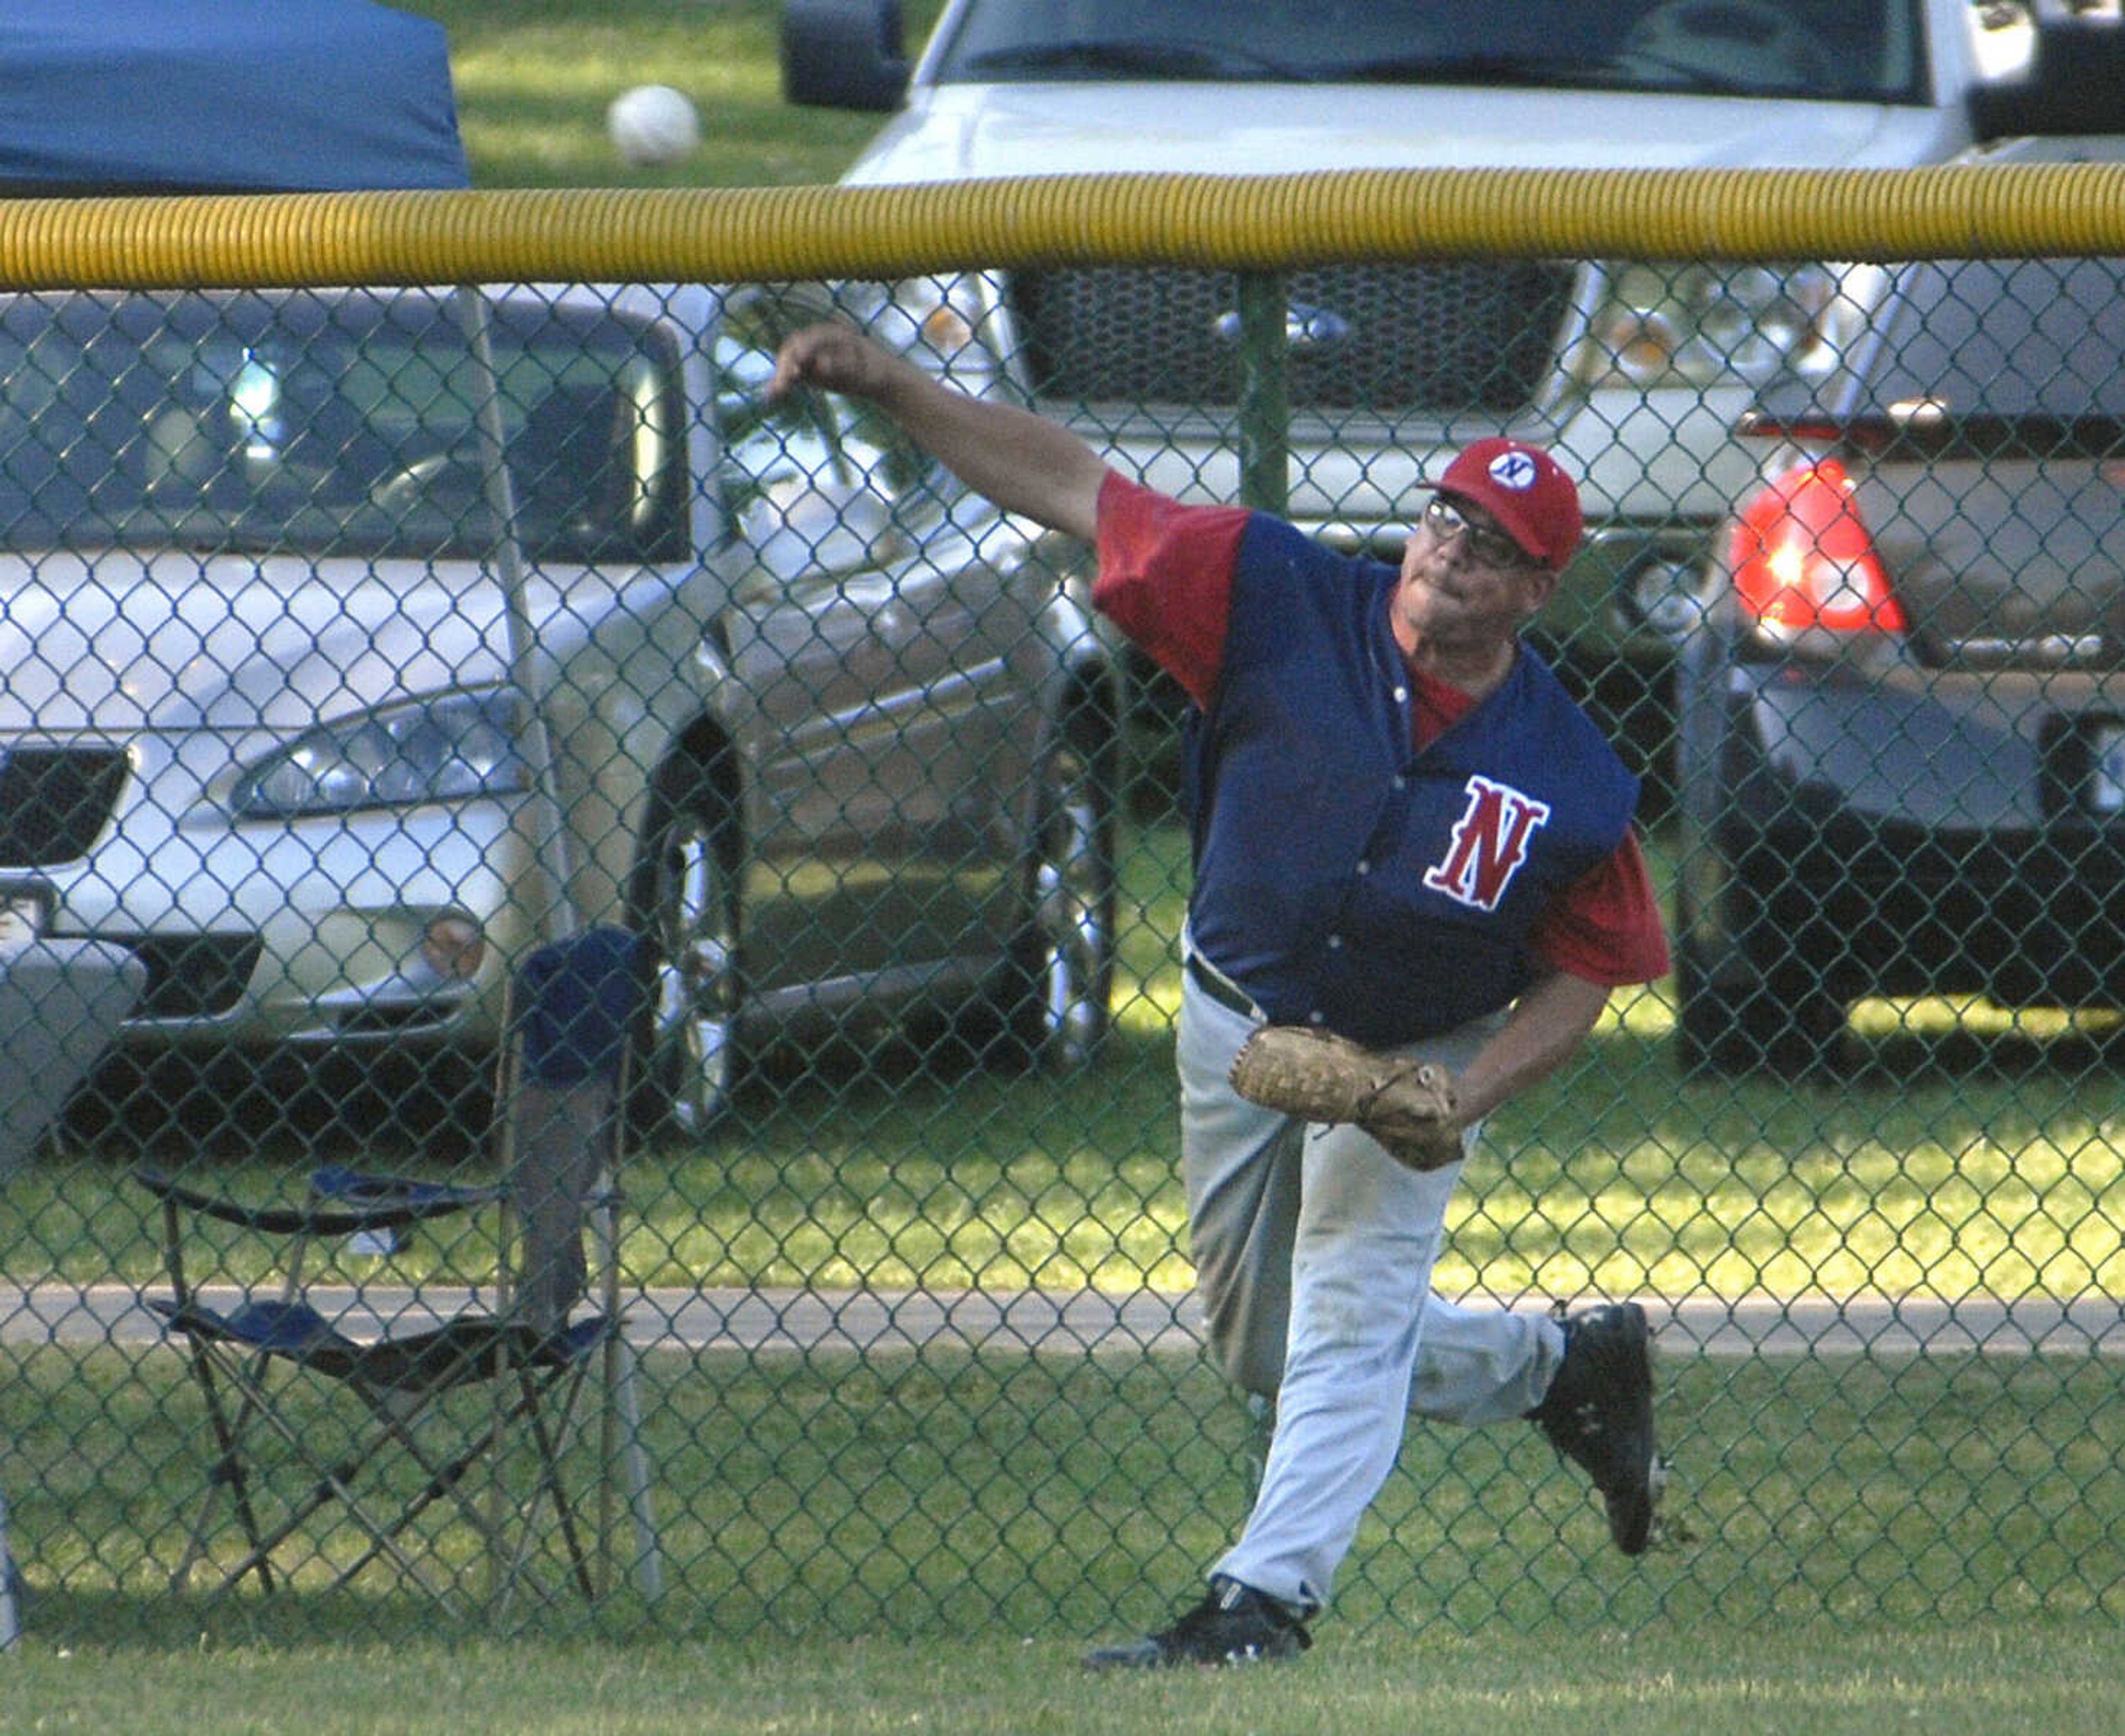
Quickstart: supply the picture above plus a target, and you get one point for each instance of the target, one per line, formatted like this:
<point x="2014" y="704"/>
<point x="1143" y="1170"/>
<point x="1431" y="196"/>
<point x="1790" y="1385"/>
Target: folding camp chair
<point x="435" y="1393"/>
<point x="260" y="1365"/>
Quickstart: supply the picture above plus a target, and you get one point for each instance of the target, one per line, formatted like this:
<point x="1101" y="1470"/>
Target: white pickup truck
<point x="1635" y="370"/>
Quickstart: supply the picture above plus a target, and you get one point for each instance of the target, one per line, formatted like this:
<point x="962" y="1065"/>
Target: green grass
<point x="921" y="1495"/>
<point x="533" y="78"/>
<point x="1817" y="1681"/>
<point x="928" y="1540"/>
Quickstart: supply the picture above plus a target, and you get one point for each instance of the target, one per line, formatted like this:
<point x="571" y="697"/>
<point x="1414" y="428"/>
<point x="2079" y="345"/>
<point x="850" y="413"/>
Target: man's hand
<point x="832" y="357"/>
<point x="1022" y="463"/>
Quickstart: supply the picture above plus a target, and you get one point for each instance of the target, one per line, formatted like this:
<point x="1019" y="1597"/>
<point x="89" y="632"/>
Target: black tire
<point x="1055" y="990"/>
<point x="684" y="894"/>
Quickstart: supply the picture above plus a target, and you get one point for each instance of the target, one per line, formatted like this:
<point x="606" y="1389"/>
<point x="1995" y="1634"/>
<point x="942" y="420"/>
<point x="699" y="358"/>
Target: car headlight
<point x="447" y="748"/>
<point x="1702" y="325"/>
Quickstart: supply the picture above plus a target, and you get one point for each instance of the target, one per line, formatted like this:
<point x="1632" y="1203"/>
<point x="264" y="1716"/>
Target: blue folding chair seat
<point x="432" y="1360"/>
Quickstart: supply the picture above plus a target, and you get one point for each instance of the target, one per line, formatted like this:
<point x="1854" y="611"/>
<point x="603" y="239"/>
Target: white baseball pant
<point x="1313" y="1252"/>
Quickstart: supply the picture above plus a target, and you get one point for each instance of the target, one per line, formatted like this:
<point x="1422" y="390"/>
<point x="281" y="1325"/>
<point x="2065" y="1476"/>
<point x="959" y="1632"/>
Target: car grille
<point x="54" y="801"/>
<point x="1432" y="339"/>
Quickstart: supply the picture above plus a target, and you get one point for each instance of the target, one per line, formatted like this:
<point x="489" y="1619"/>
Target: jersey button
<point x="1364" y="867"/>
<point x="1317" y="1017"/>
<point x="1335" y="942"/>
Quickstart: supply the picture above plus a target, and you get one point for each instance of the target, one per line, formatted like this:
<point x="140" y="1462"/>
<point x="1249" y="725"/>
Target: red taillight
<point x="1801" y="559"/>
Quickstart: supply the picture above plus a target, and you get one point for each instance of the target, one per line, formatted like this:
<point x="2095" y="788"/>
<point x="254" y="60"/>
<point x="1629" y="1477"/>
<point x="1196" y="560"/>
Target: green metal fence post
<point x="1264" y="396"/>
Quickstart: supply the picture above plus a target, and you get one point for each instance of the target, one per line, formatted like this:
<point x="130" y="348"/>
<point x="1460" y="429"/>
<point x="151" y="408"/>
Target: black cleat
<point x="1598" y="1413"/>
<point x="1234" y="1624"/>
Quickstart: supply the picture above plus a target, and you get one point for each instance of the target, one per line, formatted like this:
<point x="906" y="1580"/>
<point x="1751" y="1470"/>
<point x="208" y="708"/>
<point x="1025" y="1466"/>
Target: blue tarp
<point x="108" y="95"/>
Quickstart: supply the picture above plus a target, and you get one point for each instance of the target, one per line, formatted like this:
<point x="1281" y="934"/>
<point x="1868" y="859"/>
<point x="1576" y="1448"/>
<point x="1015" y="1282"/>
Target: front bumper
<point x="376" y="932"/>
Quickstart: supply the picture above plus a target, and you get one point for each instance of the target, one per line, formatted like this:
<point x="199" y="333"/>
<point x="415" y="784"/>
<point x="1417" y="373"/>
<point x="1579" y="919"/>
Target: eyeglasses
<point x="1492" y="547"/>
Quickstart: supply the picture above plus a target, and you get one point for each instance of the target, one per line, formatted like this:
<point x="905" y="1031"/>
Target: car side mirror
<point x="2075" y="83"/>
<point x="844" y="54"/>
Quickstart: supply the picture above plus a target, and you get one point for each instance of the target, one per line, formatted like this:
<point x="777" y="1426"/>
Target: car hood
<point x="961" y="131"/>
<point x="114" y="641"/>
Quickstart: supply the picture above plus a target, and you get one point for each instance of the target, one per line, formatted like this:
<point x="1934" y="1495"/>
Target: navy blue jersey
<point x="1343" y="877"/>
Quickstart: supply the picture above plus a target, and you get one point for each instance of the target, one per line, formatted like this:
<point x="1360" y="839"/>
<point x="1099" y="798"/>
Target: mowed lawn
<point x="925" y="1543"/>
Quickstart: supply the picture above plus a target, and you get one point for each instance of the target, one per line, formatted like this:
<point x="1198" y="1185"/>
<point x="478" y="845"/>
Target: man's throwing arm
<point x="1022" y="462"/>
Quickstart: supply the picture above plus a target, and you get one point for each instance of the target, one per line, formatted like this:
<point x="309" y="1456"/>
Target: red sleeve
<point x="1606" y="927"/>
<point x="1166" y="578"/>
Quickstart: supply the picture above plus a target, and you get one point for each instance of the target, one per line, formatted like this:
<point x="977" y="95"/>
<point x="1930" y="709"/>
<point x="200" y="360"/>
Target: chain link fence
<point x="359" y="644"/>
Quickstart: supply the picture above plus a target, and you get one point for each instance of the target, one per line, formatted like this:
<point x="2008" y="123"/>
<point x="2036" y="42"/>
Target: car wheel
<point x="1059" y="979"/>
<point x="1784" y="1025"/>
<point x="684" y="896"/>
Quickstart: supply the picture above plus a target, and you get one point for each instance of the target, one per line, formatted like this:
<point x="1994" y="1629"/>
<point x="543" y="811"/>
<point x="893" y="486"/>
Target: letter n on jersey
<point x="1490" y="843"/>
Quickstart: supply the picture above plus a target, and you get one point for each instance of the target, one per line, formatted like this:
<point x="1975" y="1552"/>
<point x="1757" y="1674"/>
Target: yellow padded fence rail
<point x="1261" y="222"/>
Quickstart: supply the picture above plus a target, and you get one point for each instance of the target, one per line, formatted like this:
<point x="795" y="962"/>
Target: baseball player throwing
<point x="1416" y="885"/>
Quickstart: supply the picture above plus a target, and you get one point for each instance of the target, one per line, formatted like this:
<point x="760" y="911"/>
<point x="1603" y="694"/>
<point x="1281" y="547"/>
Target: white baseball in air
<point x="652" y="125"/>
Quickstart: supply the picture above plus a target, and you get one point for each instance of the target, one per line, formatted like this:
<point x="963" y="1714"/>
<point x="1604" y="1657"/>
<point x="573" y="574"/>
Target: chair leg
<point x="229" y="1472"/>
<point x="549" y="1461"/>
<point x="550" y="1441"/>
<point x="335" y="1482"/>
<point x="446" y="1476"/>
<point x="442" y="1480"/>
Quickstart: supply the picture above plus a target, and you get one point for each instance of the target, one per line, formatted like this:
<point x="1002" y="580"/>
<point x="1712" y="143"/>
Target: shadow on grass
<point x="233" y="1108"/>
<point x="865" y="1071"/>
<point x="1969" y="1050"/>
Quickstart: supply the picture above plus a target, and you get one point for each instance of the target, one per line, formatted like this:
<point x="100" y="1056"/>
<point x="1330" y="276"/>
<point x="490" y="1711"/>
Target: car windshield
<point x="341" y="422"/>
<point x="1857" y="50"/>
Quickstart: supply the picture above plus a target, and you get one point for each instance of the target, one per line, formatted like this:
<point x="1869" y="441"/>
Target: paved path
<point x="1080" y="1322"/>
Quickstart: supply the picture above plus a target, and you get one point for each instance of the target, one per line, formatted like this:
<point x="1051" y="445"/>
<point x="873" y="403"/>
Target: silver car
<point x="354" y="642"/>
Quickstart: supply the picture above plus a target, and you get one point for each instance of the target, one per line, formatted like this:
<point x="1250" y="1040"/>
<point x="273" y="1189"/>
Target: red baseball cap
<point x="1524" y="489"/>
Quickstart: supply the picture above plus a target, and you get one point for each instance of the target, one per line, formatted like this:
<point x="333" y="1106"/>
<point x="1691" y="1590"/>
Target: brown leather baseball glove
<point x="1407" y="1106"/>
